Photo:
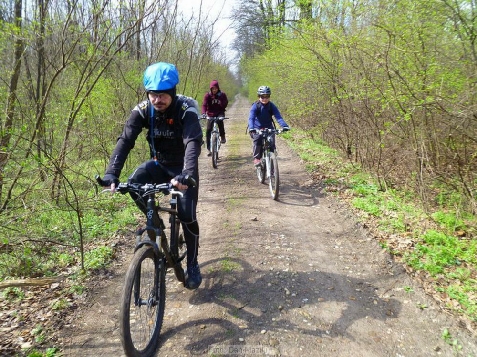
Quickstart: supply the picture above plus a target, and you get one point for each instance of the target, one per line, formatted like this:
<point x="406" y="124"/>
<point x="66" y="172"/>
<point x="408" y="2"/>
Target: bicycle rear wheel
<point x="143" y="303"/>
<point x="213" y="147"/>
<point x="274" y="179"/>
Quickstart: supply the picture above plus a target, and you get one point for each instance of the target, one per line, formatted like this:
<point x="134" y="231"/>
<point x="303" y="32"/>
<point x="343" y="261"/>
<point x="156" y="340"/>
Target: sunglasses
<point x="155" y="95"/>
<point x="265" y="96"/>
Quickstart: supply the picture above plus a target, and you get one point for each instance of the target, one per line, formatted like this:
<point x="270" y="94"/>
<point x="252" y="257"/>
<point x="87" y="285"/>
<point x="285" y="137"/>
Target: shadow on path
<point x="248" y="299"/>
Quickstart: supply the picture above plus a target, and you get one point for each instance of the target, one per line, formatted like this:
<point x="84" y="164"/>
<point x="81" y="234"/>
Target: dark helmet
<point x="160" y="76"/>
<point x="264" y="90"/>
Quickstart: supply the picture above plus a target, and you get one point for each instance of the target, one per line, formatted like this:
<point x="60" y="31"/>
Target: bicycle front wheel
<point x="143" y="303"/>
<point x="214" y="139"/>
<point x="261" y="170"/>
<point x="274" y="179"/>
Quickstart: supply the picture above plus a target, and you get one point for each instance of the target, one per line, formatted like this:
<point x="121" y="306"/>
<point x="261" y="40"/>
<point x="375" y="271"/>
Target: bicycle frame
<point x="268" y="168"/>
<point x="215" y="142"/>
<point x="159" y="231"/>
<point x="266" y="154"/>
<point x="168" y="248"/>
<point x="160" y="245"/>
<point x="215" y="131"/>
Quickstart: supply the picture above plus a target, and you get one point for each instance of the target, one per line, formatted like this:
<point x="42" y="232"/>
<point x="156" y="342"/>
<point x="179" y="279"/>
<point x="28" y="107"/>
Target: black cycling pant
<point x="153" y="172"/>
<point x="210" y="126"/>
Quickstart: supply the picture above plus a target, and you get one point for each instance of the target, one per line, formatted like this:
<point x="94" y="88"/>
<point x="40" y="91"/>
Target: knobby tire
<point x="213" y="146"/>
<point x="143" y="303"/>
<point x="274" y="179"/>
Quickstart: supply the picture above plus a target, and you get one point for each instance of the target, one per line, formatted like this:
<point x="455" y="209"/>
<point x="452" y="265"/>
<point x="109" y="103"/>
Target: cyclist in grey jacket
<point x="261" y="117"/>
<point x="175" y="138"/>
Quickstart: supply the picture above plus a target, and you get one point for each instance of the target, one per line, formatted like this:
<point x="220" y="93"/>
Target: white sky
<point x="213" y="10"/>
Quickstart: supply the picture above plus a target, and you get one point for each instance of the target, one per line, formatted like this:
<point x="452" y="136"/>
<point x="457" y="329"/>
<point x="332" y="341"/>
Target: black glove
<point x="286" y="128"/>
<point x="183" y="179"/>
<point x="186" y="180"/>
<point x="109" y="179"/>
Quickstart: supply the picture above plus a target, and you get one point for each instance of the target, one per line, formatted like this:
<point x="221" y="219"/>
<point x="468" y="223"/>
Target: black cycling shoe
<point x="194" y="279"/>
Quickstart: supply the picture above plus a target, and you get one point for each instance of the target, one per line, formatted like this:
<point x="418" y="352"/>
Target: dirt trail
<point x="294" y="277"/>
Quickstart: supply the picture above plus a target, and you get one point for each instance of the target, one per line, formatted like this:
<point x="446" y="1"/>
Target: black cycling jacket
<point x="177" y="136"/>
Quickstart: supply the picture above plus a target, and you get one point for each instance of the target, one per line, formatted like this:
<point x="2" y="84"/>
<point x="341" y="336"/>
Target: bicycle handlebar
<point x="269" y="131"/>
<point x="148" y="188"/>
<point x="216" y="118"/>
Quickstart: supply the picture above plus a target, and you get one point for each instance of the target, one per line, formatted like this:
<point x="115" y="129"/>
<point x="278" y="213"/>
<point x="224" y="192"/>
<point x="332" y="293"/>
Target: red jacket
<point x="214" y="105"/>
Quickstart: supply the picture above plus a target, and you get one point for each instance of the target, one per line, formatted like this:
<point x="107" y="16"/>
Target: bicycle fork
<point x="215" y="131"/>
<point x="152" y="239"/>
<point x="267" y="165"/>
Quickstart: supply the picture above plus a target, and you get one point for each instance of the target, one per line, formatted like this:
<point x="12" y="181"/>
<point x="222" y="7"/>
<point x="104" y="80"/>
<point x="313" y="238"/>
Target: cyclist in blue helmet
<point x="261" y="117"/>
<point x="175" y="139"/>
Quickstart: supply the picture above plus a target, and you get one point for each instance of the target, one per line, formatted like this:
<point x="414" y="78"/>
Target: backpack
<point x="185" y="107"/>
<point x="195" y="104"/>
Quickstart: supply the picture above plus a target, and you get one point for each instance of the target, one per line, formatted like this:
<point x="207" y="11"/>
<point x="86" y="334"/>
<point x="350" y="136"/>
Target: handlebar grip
<point x="191" y="181"/>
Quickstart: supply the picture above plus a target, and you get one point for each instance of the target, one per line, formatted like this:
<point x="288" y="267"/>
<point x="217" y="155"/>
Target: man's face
<point x="160" y="101"/>
<point x="214" y="90"/>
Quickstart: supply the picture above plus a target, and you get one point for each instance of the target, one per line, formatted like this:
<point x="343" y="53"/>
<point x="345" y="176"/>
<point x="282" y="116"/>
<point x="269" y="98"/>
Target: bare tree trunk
<point x="41" y="140"/>
<point x="140" y="10"/>
<point x="12" y="97"/>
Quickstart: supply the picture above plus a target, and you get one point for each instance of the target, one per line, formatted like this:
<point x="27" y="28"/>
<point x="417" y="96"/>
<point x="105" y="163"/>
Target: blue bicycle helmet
<point x="160" y="76"/>
<point x="264" y="90"/>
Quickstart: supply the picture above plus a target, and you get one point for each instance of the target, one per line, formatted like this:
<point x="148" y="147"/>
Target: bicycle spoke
<point x="143" y="302"/>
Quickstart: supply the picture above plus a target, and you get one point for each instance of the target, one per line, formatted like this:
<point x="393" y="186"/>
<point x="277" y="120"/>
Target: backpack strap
<point x="150" y="123"/>
<point x="150" y="115"/>
<point x="258" y="106"/>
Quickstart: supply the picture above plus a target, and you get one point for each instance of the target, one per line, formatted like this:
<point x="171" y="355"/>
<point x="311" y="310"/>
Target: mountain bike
<point x="144" y="293"/>
<point x="268" y="167"/>
<point x="215" y="140"/>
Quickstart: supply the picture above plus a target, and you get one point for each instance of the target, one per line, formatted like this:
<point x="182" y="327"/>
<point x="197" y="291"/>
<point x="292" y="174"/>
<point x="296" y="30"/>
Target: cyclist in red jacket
<point x="214" y="104"/>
